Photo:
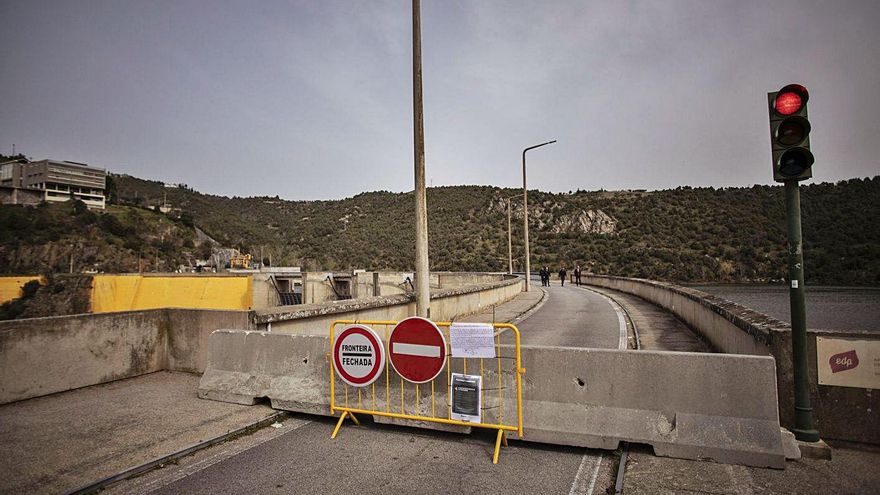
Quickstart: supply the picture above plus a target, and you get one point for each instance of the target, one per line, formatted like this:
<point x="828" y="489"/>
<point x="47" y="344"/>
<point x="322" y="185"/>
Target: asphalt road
<point x="301" y="458"/>
<point x="573" y="316"/>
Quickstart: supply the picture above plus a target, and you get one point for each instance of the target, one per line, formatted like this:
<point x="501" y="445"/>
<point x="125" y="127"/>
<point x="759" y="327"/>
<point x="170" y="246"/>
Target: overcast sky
<point x="313" y="99"/>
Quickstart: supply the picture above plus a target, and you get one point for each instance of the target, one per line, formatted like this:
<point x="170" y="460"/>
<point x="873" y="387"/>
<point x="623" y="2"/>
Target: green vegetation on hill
<point x="683" y="235"/>
<point x="52" y="238"/>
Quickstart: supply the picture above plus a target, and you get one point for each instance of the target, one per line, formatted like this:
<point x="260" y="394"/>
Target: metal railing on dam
<point x="846" y="413"/>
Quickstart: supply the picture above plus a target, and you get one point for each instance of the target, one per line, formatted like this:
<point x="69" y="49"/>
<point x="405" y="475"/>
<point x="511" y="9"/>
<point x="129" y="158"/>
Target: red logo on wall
<point x="844" y="361"/>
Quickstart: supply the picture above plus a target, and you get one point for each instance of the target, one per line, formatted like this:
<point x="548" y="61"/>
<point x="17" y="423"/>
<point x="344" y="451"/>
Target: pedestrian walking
<point x="562" y="275"/>
<point x="577" y="275"/>
<point x="541" y="273"/>
<point x="547" y="276"/>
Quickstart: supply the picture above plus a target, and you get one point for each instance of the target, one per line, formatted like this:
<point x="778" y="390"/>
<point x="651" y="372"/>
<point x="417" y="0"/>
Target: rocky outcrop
<point x="548" y="215"/>
<point x="587" y="222"/>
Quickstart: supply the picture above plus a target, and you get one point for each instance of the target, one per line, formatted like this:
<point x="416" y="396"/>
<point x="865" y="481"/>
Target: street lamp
<point x="526" y="212"/>
<point x="423" y="288"/>
<point x="509" y="242"/>
<point x="509" y="236"/>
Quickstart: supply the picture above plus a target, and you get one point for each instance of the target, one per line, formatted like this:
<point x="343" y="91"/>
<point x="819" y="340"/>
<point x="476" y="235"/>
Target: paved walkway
<point x="511" y="311"/>
<point x="659" y="330"/>
<point x="574" y="317"/>
<point x="64" y="441"/>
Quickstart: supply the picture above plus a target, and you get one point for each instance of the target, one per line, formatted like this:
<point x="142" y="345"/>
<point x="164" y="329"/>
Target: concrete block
<point x="291" y="370"/>
<point x="686" y="405"/>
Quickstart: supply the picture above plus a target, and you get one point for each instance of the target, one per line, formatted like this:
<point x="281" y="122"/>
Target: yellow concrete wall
<point x="136" y="292"/>
<point x="10" y="287"/>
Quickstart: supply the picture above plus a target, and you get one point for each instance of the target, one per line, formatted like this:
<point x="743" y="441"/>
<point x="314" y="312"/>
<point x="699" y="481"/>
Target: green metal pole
<point x="803" y="419"/>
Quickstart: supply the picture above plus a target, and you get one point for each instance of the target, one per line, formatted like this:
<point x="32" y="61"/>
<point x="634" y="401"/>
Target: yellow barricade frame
<point x="502" y="428"/>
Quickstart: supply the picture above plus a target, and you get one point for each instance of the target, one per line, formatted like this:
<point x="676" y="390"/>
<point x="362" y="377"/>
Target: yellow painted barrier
<point x="135" y="292"/>
<point x="370" y="404"/>
<point x="10" y="287"/>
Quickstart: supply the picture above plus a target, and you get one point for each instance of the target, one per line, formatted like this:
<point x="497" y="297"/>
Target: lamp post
<point x="509" y="236"/>
<point x="423" y="288"/>
<point x="509" y="242"/>
<point x="526" y="212"/>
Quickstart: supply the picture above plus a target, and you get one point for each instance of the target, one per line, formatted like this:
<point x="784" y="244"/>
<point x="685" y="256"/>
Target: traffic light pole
<point x="803" y="420"/>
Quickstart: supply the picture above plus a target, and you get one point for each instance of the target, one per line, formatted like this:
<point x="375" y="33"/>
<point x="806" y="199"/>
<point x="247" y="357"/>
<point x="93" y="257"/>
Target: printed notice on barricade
<point x="472" y="340"/>
<point x="466" y="403"/>
<point x="848" y="362"/>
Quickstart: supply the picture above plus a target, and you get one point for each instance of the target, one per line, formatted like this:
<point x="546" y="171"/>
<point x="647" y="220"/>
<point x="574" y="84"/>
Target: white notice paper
<point x="472" y="340"/>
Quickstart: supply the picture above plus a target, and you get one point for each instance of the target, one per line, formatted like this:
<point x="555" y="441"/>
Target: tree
<point x="110" y="190"/>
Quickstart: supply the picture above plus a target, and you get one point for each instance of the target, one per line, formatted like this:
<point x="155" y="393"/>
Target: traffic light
<point x="790" y="133"/>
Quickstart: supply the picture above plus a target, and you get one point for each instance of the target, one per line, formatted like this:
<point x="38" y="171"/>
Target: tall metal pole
<point x="526" y="212"/>
<point x="509" y="241"/>
<point x="423" y="288"/>
<point x="803" y="411"/>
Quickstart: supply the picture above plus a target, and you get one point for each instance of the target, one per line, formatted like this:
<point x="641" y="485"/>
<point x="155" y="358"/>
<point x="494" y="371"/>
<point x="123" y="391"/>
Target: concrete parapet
<point x="843" y="413"/>
<point x="728" y="327"/>
<point x="315" y="319"/>
<point x="188" y="333"/>
<point x="41" y="356"/>
<point x="692" y="406"/>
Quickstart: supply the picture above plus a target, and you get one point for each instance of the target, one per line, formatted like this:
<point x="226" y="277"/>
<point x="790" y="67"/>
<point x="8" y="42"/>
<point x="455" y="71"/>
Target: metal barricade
<point x="378" y="401"/>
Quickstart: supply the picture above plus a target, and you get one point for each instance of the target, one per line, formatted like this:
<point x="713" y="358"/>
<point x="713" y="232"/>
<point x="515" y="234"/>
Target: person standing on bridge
<point x="562" y="275"/>
<point x="577" y="275"/>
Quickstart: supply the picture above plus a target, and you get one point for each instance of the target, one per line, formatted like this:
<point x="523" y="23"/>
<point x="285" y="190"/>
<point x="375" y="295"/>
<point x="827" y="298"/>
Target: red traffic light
<point x="790" y="99"/>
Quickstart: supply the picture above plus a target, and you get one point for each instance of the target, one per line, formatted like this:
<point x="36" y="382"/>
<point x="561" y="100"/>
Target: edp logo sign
<point x="844" y="361"/>
<point x="848" y="362"/>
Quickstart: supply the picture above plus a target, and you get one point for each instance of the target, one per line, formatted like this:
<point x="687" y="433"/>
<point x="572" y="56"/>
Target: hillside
<point x="684" y="235"/>
<point x="64" y="237"/>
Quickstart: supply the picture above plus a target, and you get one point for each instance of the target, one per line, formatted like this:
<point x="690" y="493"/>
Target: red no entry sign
<point x="358" y="355"/>
<point x="417" y="349"/>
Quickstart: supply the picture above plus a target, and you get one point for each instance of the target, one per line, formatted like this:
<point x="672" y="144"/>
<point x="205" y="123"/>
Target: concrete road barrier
<point x="291" y="370"/>
<point x="692" y="406"/>
<point x="687" y="405"/>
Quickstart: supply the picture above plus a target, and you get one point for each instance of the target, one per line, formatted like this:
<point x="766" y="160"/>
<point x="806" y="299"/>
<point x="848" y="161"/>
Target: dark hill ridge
<point x="683" y="235"/>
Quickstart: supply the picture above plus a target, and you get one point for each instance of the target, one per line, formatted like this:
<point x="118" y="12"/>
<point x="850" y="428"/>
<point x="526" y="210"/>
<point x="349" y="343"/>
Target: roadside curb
<point x="161" y="461"/>
<point x="532" y="310"/>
